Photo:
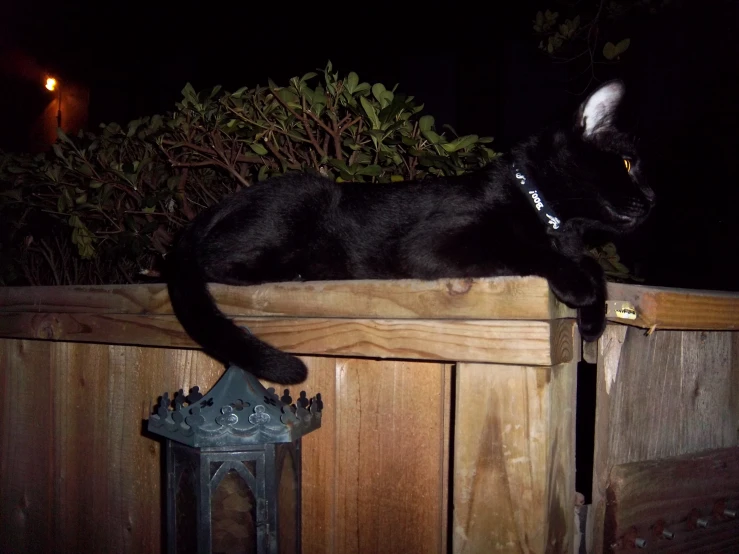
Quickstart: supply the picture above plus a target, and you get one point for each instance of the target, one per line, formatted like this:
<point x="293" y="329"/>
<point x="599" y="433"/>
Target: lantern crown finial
<point x="237" y="411"/>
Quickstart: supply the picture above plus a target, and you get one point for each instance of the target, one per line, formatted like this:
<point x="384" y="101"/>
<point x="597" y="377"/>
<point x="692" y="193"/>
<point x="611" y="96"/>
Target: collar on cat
<point x="543" y="210"/>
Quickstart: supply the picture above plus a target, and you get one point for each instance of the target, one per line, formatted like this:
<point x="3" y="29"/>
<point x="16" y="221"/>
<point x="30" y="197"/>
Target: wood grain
<point x="560" y="483"/>
<point x="526" y="298"/>
<point x="680" y="309"/>
<point x="608" y="357"/>
<point x="641" y="494"/>
<point x="514" y="459"/>
<point x="319" y="451"/>
<point x="527" y="342"/>
<point x="495" y="298"/>
<point x="79" y="476"/>
<point x="27" y="458"/>
<point x="391" y="428"/>
<point x="673" y="394"/>
<point x="667" y="394"/>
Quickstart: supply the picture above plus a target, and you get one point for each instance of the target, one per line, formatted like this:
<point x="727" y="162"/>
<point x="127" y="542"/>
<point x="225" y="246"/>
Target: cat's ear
<point x="597" y="113"/>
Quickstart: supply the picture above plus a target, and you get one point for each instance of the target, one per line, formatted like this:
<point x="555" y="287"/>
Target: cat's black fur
<point x="477" y="225"/>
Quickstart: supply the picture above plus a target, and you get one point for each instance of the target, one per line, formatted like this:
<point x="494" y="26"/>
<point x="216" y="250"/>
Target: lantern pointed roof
<point x="237" y="411"/>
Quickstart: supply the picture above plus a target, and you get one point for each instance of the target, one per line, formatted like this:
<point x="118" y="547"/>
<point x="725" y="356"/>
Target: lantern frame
<point x="240" y="426"/>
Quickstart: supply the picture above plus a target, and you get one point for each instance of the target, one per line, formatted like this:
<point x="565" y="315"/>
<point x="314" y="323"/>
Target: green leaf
<point x="189" y="93"/>
<point x="370" y="170"/>
<point x="622" y="46"/>
<point x="132" y="126"/>
<point x="369" y="109"/>
<point x="432" y="137"/>
<point x="351" y="82"/>
<point x="612" y="51"/>
<point x="460" y="143"/>
<point x="258" y="148"/>
<point x="340" y="165"/>
<point x="426" y="123"/>
<point x="287" y="96"/>
<point x="386" y="98"/>
<point x="63" y="136"/>
<point x="377" y="91"/>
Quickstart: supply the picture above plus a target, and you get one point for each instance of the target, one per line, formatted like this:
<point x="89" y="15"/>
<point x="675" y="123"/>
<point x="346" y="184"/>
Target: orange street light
<point x="52" y="84"/>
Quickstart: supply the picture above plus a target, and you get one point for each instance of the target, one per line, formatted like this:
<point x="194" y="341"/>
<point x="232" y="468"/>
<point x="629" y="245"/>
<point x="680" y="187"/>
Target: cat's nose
<point x="649" y="193"/>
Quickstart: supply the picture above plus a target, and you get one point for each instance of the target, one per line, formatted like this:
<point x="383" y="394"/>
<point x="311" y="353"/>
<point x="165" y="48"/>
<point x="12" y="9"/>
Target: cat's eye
<point x="627" y="163"/>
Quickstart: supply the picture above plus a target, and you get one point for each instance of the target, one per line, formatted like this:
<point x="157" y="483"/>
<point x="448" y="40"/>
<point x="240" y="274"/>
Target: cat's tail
<point x="218" y="335"/>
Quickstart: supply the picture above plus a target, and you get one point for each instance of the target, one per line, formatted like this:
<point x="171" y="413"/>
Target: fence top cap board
<point x="503" y="320"/>
<point x="501" y="298"/>
<point x="515" y="298"/>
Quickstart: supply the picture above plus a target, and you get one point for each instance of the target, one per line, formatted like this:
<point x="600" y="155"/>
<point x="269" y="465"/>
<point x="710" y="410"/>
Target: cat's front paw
<point x="574" y="288"/>
<point x="591" y="321"/>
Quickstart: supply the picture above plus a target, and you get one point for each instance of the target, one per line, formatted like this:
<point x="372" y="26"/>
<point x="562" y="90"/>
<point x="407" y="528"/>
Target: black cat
<point x="524" y="214"/>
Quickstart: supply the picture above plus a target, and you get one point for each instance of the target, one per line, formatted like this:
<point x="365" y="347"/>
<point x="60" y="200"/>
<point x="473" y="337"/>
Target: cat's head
<point x="591" y="172"/>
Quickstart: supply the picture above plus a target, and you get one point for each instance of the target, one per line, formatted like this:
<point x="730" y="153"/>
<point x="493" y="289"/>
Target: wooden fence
<point x="438" y="394"/>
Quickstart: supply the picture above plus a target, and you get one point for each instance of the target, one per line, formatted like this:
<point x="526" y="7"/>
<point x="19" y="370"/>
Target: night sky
<point x="481" y="74"/>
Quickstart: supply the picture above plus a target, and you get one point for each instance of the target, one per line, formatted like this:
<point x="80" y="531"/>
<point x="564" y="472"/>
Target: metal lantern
<point x="233" y="466"/>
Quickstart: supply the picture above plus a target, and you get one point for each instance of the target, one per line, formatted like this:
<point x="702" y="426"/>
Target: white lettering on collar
<point x="553" y="221"/>
<point x="537" y="201"/>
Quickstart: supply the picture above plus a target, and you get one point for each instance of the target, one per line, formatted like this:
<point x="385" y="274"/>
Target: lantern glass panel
<point x="233" y="517"/>
<point x="287" y="500"/>
<point x="186" y="509"/>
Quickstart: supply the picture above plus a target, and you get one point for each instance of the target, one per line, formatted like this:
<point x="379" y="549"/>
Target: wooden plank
<point x="529" y="342"/>
<point x="645" y="497"/>
<point x="94" y="299"/>
<point x="27" y="456"/>
<point x="609" y="354"/>
<point x="561" y="502"/>
<point x="319" y="458"/>
<point x="658" y="396"/>
<point x="514" y="459"/>
<point x="495" y="298"/>
<point x="672" y="395"/>
<point x="683" y="309"/>
<point x="108" y="491"/>
<point x="445" y="478"/>
<point x="390" y="457"/>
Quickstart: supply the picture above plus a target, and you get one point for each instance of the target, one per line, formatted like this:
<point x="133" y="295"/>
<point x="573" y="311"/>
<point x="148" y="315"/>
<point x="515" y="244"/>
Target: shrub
<point x="103" y="208"/>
